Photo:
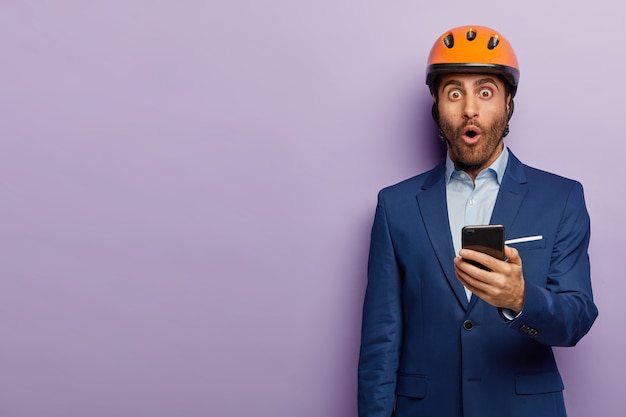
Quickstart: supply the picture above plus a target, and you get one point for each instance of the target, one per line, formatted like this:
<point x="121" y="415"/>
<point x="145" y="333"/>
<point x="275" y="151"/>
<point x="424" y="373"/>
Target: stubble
<point x="474" y="157"/>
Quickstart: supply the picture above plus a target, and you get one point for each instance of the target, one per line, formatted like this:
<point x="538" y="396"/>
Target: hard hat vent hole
<point x="493" y="42"/>
<point x="449" y="40"/>
<point x="471" y="35"/>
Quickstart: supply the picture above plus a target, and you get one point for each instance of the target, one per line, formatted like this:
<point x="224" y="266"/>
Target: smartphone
<point x="488" y="239"/>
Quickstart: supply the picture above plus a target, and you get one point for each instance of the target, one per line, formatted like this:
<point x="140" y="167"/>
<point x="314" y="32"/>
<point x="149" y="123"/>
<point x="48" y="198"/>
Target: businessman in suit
<point x="442" y="337"/>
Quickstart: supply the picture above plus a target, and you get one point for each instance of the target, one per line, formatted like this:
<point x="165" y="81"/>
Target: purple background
<point x="187" y="190"/>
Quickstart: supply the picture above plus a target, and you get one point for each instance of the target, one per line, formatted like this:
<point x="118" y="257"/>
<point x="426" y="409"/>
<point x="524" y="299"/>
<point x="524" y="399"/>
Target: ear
<point x="509" y="105"/>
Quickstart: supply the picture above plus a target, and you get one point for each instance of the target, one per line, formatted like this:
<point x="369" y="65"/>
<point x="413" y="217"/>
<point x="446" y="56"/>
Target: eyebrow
<point x="451" y="82"/>
<point x="481" y="81"/>
<point x="487" y="81"/>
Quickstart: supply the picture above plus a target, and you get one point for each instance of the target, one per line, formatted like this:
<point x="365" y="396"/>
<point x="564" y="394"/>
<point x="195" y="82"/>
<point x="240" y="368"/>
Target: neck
<point x="471" y="170"/>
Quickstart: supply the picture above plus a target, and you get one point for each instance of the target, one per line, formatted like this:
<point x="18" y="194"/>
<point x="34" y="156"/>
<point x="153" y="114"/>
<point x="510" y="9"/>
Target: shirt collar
<point x="498" y="166"/>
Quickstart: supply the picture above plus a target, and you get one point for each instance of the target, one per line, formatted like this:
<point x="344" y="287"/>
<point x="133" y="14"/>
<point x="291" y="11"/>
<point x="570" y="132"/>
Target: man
<point x="442" y="337"/>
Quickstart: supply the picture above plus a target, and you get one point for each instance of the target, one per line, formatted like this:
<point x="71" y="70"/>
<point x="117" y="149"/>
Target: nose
<point x="470" y="111"/>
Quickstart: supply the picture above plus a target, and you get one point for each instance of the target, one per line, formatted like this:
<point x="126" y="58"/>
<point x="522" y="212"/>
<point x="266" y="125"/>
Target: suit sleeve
<point x="381" y="333"/>
<point x="563" y="312"/>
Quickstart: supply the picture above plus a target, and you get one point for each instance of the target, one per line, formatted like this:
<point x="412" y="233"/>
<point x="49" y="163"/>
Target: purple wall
<point x="186" y="192"/>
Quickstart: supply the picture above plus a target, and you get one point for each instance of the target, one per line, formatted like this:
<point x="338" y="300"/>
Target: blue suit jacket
<point x="428" y="352"/>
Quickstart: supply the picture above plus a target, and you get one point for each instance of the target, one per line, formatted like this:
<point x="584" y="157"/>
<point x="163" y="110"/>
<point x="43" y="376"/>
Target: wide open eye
<point x="485" y="93"/>
<point x="454" y="95"/>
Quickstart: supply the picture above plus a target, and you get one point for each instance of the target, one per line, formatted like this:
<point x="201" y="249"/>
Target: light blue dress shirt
<point x="472" y="202"/>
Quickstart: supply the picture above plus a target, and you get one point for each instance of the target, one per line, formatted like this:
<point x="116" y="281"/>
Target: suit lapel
<point x="433" y="208"/>
<point x="512" y="192"/>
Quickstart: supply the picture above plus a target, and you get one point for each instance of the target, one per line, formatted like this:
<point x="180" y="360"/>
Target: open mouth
<point x="471" y="134"/>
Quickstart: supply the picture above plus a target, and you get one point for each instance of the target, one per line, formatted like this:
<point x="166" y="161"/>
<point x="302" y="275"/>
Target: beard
<point x="474" y="157"/>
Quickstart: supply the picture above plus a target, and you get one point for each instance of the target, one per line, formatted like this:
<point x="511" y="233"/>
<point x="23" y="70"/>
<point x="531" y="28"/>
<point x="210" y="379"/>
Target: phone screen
<point x="488" y="239"/>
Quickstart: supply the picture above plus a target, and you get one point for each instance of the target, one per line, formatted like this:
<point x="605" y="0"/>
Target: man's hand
<point x="502" y="287"/>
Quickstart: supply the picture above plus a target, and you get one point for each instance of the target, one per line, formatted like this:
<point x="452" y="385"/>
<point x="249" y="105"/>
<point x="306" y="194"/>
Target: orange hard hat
<point x="473" y="49"/>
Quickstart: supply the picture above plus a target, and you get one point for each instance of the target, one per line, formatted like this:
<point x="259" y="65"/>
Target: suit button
<point x="468" y="325"/>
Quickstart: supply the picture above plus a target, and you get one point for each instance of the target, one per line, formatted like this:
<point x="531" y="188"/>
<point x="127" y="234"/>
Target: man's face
<point x="473" y="113"/>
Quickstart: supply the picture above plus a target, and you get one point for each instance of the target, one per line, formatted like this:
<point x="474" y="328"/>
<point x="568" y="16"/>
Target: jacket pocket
<point x="540" y="383"/>
<point x="523" y="246"/>
<point x="411" y="386"/>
